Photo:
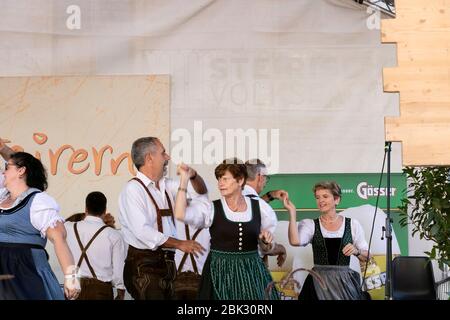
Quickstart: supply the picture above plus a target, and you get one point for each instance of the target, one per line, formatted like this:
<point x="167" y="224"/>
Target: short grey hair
<point x="254" y="167"/>
<point x="141" y="147"/>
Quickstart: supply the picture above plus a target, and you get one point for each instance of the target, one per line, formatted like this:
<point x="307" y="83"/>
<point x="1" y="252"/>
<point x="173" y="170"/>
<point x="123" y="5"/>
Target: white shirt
<point x="203" y="238"/>
<point x="137" y="213"/>
<point x="202" y="214"/>
<point x="106" y="254"/>
<point x="195" y="203"/>
<point x="306" y="229"/>
<point x="265" y="208"/>
<point x="44" y="211"/>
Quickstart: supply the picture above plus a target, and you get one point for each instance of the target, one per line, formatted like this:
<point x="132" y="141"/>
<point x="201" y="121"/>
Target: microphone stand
<point x="388" y="227"/>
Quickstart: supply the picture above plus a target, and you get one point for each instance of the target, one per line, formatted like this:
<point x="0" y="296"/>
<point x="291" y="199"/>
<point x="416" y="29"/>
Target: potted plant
<point x="429" y="203"/>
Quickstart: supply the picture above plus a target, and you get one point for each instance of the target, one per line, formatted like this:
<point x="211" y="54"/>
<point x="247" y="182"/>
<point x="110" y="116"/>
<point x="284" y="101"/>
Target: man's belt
<point x="158" y="253"/>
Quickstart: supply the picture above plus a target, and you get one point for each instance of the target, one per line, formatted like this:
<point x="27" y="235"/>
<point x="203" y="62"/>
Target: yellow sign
<point x="375" y="278"/>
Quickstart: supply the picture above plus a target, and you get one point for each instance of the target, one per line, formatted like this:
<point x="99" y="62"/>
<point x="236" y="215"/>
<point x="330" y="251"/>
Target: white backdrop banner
<point x="308" y="72"/>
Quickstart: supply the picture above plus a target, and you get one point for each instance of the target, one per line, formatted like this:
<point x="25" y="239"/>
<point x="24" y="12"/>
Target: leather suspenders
<point x="169" y="213"/>
<point x="183" y="260"/>
<point x="159" y="212"/>
<point x="84" y="249"/>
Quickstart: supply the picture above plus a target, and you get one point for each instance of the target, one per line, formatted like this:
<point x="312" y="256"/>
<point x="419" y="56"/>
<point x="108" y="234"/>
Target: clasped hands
<point x="72" y="287"/>
<point x="283" y="196"/>
<point x="183" y="170"/>
<point x="265" y="240"/>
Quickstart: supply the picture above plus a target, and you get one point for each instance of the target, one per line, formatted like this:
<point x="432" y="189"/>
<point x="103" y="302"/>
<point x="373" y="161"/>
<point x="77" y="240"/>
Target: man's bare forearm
<point x="198" y="184"/>
<point x="6" y="152"/>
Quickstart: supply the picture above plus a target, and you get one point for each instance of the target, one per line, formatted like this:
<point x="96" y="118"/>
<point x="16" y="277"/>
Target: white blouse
<point x="44" y="211"/>
<point x="306" y="228"/>
<point x="200" y="214"/>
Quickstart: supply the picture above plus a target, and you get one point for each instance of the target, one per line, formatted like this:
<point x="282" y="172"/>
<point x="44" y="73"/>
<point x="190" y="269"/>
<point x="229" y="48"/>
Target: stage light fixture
<point x="385" y="6"/>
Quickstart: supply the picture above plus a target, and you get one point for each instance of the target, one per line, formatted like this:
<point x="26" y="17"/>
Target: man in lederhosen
<point x="147" y="222"/>
<point x="99" y="251"/>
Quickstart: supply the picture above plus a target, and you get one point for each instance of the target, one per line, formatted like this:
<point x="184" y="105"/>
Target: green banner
<point x="357" y="189"/>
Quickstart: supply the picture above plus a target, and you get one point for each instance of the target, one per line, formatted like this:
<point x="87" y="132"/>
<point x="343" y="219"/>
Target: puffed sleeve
<point x="44" y="213"/>
<point x="305" y="231"/>
<point x="199" y="212"/>
<point x="359" y="239"/>
<point x="268" y="217"/>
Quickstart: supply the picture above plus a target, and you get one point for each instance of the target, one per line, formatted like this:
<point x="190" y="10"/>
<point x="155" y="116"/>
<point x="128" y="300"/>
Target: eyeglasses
<point x="7" y="165"/>
<point x="266" y="176"/>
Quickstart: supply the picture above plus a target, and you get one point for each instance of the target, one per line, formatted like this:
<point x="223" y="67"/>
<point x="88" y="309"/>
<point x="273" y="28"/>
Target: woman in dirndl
<point x="334" y="240"/>
<point x="28" y="216"/>
<point x="240" y="234"/>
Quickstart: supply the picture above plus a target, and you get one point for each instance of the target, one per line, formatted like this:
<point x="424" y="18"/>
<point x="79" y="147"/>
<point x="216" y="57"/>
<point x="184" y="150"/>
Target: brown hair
<point x="234" y="166"/>
<point x="76" y="217"/>
<point x="332" y="186"/>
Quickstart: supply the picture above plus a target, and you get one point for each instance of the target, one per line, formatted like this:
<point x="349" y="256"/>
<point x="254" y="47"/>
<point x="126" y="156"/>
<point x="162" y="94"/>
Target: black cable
<point x="374" y="216"/>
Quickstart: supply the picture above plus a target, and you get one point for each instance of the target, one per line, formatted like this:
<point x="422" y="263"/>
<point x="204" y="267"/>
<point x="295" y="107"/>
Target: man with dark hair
<point x="256" y="181"/>
<point x="99" y="251"/>
<point x="96" y="203"/>
<point x="148" y="226"/>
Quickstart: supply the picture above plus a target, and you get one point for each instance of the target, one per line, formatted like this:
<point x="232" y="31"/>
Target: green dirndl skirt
<point x="235" y="276"/>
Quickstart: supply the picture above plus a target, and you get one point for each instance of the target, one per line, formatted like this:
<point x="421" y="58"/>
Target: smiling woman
<point x="334" y="240"/>
<point x="28" y="217"/>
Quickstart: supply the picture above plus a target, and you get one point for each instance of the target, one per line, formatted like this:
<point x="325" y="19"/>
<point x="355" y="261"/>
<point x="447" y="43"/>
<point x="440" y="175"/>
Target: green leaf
<point x="436" y="203"/>
<point x="426" y="205"/>
<point x="434" y="230"/>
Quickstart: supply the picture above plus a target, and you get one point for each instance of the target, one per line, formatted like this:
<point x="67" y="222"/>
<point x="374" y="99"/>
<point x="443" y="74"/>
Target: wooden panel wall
<point x="421" y="31"/>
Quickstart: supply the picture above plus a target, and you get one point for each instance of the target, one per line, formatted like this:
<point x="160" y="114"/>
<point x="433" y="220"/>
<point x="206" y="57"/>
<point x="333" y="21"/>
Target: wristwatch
<point x="269" y="196"/>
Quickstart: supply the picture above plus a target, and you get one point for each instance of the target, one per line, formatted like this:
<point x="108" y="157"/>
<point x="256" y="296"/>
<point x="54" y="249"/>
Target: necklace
<point x="336" y="217"/>
<point x="238" y="205"/>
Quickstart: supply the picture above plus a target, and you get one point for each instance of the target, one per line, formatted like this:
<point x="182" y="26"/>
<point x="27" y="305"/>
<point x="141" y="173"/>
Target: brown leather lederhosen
<point x="92" y="288"/>
<point x="149" y="274"/>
